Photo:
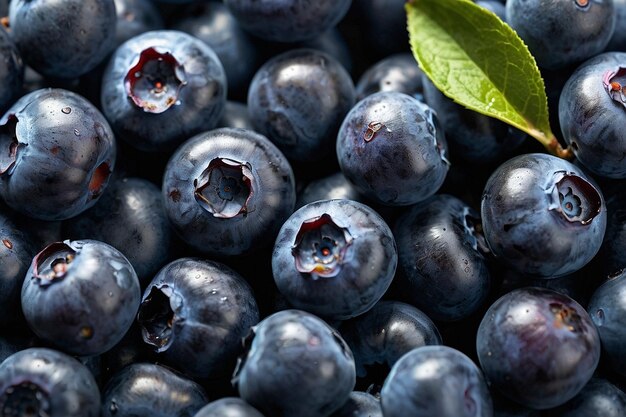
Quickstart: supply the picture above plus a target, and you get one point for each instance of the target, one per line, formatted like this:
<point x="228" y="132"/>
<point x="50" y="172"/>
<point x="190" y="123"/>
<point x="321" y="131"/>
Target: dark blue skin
<point x="441" y="256"/>
<point x="45" y="382"/>
<point x="618" y="40"/>
<point x="360" y="404"/>
<point x="390" y="146"/>
<point x="288" y="20"/>
<point x="228" y="407"/>
<point x="228" y="191"/>
<point x="610" y="258"/>
<point x="298" y="99"/>
<point x="135" y="17"/>
<point x="562" y="32"/>
<point x="398" y="72"/>
<point x="473" y="137"/>
<point x="537" y="347"/>
<point x="214" y="24"/>
<point x="16" y="254"/>
<point x="335" y="186"/>
<point x="542" y="216"/>
<point x="386" y="332"/>
<point x="334" y="258"/>
<point x="382" y="23"/>
<point x="63" y="39"/>
<point x="235" y="115"/>
<point x="11" y="71"/>
<point x="148" y="390"/>
<point x="131" y="217"/>
<point x="592" y="114"/>
<point x="598" y="398"/>
<point x="607" y="308"/>
<point x="81" y="296"/>
<point x="494" y="6"/>
<point x="56" y="154"/>
<point x="195" y="314"/>
<point x="435" y="381"/>
<point x="14" y="342"/>
<point x="296" y="366"/>
<point x="172" y="99"/>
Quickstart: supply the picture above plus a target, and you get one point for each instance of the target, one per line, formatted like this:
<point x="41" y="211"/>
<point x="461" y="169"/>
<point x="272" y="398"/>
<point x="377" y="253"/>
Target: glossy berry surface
<point x="135" y="17"/>
<point x="64" y="38"/>
<point x="415" y="386"/>
<point x="145" y="389"/>
<point x="598" y="398"/>
<point x="398" y="72"/>
<point x="44" y="382"/>
<point x="81" y="296"/>
<point x="162" y="87"/>
<point x="228" y="407"/>
<point x="332" y="187"/>
<point x="228" y="191"/>
<point x="562" y="32"/>
<point x="537" y="347"/>
<point x="298" y="99"/>
<point x="290" y="346"/>
<point x="360" y="404"/>
<point x="195" y="314"/>
<point x="334" y="258"/>
<point x="542" y="215"/>
<point x="11" y="71"/>
<point x="391" y="148"/>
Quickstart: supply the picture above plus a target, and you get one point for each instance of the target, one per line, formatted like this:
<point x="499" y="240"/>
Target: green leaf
<point x="479" y="61"/>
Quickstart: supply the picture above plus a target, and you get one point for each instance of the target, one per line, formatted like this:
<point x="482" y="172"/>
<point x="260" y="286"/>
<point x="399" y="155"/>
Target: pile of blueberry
<point x="248" y="208"/>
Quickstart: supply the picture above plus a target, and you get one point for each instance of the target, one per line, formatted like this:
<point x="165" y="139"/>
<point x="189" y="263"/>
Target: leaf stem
<point x="552" y="144"/>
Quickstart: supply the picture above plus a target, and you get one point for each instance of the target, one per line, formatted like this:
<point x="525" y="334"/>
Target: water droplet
<point x="223" y="299"/>
<point x="213" y="291"/>
<point x="110" y="293"/>
<point x="76" y="132"/>
<point x="66" y="110"/>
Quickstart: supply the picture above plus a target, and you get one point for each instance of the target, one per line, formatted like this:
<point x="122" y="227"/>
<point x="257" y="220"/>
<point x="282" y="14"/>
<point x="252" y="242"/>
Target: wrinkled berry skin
<point x="135" y="17"/>
<point x="398" y="72"/>
<point x="542" y="216"/>
<point x="392" y="149"/>
<point x="298" y="99"/>
<point x="296" y="366"/>
<point x="45" y="382"/>
<point x="11" y="71"/>
<point x="190" y="76"/>
<point x="562" y="32"/>
<point x="607" y="308"/>
<point x="360" y="404"/>
<point x="56" y="154"/>
<point x="195" y="314"/>
<point x="288" y="20"/>
<point x="145" y="389"/>
<point x="228" y="407"/>
<point x="455" y="282"/>
<point x="538" y="347"/>
<point x="16" y="253"/>
<point x="386" y="332"/>
<point x="435" y="381"/>
<point x="131" y="217"/>
<point x="334" y="258"/>
<point x="598" y="398"/>
<point x="63" y="39"/>
<point x="592" y="114"/>
<point x="264" y="198"/>
<point x="81" y="296"/>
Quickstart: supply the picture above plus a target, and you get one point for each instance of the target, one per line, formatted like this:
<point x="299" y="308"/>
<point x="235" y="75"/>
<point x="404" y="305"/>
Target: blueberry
<point x="435" y="381"/>
<point x="235" y="115"/>
<point x="494" y="6"/>
<point x="135" y="17"/>
<point x="610" y="258"/>
<point x="398" y="72"/>
<point x="44" y="382"/>
<point x="295" y="366"/>
<point x="148" y="390"/>
<point x="162" y="87"/>
<point x="562" y="32"/>
<point x="542" y="215"/>
<point x="228" y="407"/>
<point x="391" y="148"/>
<point x="332" y="187"/>
<point x="607" y="308"/>
<point x="288" y="20"/>
<point x="618" y="40"/>
<point x="382" y="26"/>
<point x="56" y="154"/>
<point x="11" y="71"/>
<point x="131" y="217"/>
<point x="65" y="38"/>
<point x="592" y="114"/>
<point x="81" y="296"/>
<point x="360" y="404"/>
<point x="228" y="191"/>
<point x="538" y="347"/>
<point x="334" y="258"/>
<point x="386" y="332"/>
<point x="598" y="398"/>
<point x="195" y="313"/>
<point x="298" y="100"/>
